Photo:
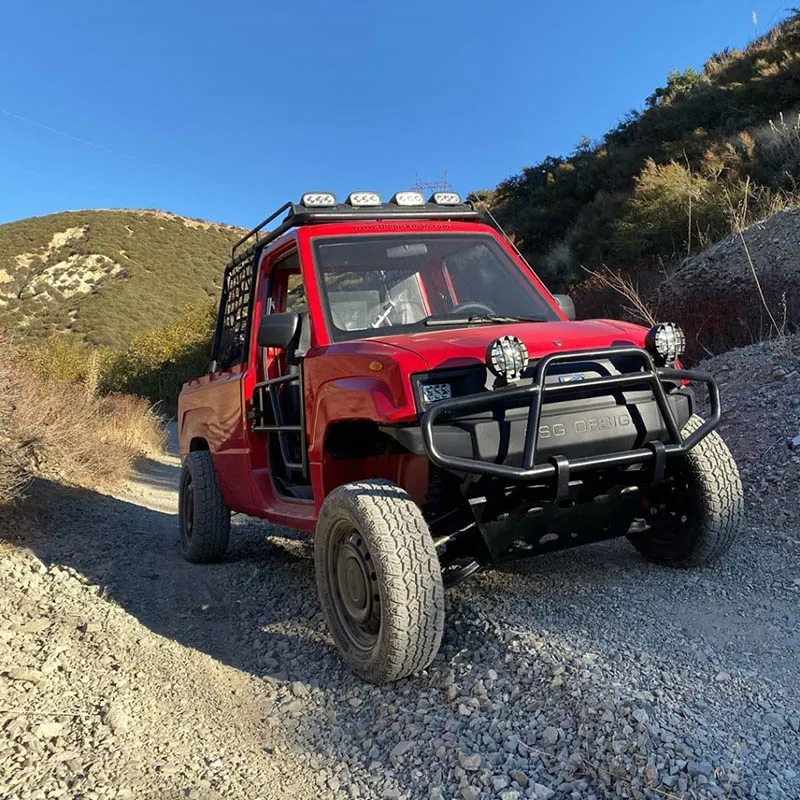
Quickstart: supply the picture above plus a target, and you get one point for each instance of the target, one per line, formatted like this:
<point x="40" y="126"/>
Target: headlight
<point x="666" y="342"/>
<point x="433" y="392"/>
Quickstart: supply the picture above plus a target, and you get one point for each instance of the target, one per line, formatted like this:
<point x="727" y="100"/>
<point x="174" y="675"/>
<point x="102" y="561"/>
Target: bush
<point x="159" y="362"/>
<point x="673" y="211"/>
<point x="53" y="429"/>
<point x="777" y="153"/>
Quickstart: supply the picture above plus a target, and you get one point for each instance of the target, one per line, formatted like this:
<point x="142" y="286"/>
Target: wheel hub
<point x="355" y="588"/>
<point x="352" y="574"/>
<point x="188" y="509"/>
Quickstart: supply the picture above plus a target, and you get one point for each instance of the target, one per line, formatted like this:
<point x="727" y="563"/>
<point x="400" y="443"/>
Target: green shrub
<point x="157" y="363"/>
<point x="673" y="212"/>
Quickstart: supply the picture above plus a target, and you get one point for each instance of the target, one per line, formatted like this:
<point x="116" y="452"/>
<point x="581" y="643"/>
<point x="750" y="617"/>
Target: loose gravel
<point x="126" y="672"/>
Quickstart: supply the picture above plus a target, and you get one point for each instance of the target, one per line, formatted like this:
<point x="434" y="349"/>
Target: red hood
<point x="456" y="347"/>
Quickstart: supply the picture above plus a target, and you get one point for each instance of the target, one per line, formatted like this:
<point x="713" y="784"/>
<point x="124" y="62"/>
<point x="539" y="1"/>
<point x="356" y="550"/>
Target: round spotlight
<point x="666" y="342"/>
<point x="507" y="357"/>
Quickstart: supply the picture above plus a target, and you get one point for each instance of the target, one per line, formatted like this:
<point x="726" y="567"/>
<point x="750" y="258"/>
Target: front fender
<point x="358" y="398"/>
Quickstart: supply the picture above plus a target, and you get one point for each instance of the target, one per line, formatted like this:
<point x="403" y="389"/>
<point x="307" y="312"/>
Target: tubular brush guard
<point x="536" y="394"/>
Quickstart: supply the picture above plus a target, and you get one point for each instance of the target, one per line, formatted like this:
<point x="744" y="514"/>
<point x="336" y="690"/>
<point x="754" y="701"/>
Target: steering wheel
<point x="472" y="306"/>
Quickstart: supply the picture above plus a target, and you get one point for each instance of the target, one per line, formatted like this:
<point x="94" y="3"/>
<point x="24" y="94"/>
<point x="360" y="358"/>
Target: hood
<point x="458" y="347"/>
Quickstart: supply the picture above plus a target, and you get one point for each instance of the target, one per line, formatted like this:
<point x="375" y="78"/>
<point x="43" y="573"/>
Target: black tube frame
<point x="280" y="428"/>
<point x="536" y="393"/>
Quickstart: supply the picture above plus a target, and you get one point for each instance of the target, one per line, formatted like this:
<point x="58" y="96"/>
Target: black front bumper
<point x="579" y="434"/>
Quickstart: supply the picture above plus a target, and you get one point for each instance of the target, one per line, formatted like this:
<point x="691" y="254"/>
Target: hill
<point x="107" y="275"/>
<point x="710" y="149"/>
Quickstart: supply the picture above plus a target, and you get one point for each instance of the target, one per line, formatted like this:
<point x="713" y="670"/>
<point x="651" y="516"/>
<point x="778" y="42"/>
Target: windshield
<point x="410" y="283"/>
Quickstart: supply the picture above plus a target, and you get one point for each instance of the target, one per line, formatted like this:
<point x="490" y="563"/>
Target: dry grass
<point x="624" y="286"/>
<point x="66" y="432"/>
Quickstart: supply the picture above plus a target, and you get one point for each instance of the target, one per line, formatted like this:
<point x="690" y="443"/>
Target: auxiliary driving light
<point x="508" y="357"/>
<point x="361" y="199"/>
<point x="318" y="199"/>
<point x="408" y="199"/>
<point x="666" y="342"/>
<point x="446" y="199"/>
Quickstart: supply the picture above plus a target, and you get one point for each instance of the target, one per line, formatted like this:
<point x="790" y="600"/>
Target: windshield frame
<point x="477" y="237"/>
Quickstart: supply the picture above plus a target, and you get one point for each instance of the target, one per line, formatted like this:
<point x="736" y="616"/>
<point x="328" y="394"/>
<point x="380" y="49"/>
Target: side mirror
<point x="279" y="330"/>
<point x="565" y="304"/>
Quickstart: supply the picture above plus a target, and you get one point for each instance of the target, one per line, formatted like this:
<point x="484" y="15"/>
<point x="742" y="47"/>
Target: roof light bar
<point x="361" y="199"/>
<point x="408" y="199"/>
<point x="445" y="199"/>
<point x="318" y="199"/>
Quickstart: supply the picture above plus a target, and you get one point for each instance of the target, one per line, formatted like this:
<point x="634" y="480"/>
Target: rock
<point x="469" y="762"/>
<point x="695" y="768"/>
<point x="670" y="781"/>
<point x="550" y="735"/>
<point x="90" y="628"/>
<point x="651" y="774"/>
<point x="116" y="719"/>
<point x="299" y="689"/>
<point x="795" y="443"/>
<point x="400" y="749"/>
<point x="509" y="794"/>
<point x="27" y="675"/>
<point x="499" y="782"/>
<point x="520" y="777"/>
<point x="542" y="792"/>
<point x="774" y="719"/>
<point x="48" y="730"/>
<point x="36" y="625"/>
<point x="470" y="792"/>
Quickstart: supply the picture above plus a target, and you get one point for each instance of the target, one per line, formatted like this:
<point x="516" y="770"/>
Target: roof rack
<point x="297" y="215"/>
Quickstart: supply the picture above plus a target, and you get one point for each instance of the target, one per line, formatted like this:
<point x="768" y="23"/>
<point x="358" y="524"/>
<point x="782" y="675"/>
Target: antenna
<point x="428" y="187"/>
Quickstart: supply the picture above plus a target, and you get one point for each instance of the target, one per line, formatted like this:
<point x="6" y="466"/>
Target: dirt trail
<point x="588" y="673"/>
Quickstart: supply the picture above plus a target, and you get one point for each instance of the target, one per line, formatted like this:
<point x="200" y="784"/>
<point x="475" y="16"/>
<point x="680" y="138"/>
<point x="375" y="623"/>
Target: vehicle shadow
<point x="257" y="611"/>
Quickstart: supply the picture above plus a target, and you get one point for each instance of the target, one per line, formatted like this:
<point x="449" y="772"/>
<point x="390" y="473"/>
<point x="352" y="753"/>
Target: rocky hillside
<point x="107" y="274"/>
<point x="715" y="294"/>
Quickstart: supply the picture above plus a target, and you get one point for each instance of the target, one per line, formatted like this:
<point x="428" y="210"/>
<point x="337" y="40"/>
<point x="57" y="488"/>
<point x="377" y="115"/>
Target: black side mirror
<point x="565" y="304"/>
<point x="279" y="330"/>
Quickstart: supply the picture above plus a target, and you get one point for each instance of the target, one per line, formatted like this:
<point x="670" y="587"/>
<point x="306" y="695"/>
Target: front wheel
<point x="379" y="580"/>
<point x="697" y="513"/>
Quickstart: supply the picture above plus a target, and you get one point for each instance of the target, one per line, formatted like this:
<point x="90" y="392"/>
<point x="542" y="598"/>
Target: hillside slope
<point x="708" y="146"/>
<point x="107" y="274"/>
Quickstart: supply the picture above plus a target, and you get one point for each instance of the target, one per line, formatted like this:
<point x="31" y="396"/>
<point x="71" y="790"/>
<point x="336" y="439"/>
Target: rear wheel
<point x="379" y="580"/>
<point x="697" y="513"/>
<point x="204" y="519"/>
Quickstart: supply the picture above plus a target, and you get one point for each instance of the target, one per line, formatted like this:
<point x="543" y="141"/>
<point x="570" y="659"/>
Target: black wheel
<point x="204" y="519"/>
<point x="379" y="580"/>
<point x="697" y="513"/>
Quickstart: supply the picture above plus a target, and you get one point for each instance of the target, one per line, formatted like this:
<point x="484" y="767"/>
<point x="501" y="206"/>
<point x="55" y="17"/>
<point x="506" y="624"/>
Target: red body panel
<point x="366" y="379"/>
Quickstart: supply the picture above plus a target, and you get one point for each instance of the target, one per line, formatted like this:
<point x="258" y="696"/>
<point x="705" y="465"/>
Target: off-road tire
<point x="716" y="510"/>
<point x="406" y="577"/>
<point x="204" y="519"/>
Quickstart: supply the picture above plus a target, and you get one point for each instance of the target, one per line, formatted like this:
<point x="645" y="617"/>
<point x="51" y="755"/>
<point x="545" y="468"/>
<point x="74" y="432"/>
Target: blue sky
<point x="225" y="110"/>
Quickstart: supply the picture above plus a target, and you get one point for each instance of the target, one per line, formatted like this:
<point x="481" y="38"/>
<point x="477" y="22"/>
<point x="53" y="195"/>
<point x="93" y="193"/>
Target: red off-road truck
<point x="395" y="379"/>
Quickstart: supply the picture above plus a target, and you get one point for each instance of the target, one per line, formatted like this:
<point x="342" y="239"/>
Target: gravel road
<point x="126" y="672"/>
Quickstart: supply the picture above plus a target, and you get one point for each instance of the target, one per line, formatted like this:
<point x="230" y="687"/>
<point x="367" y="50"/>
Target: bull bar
<point x="536" y="393"/>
